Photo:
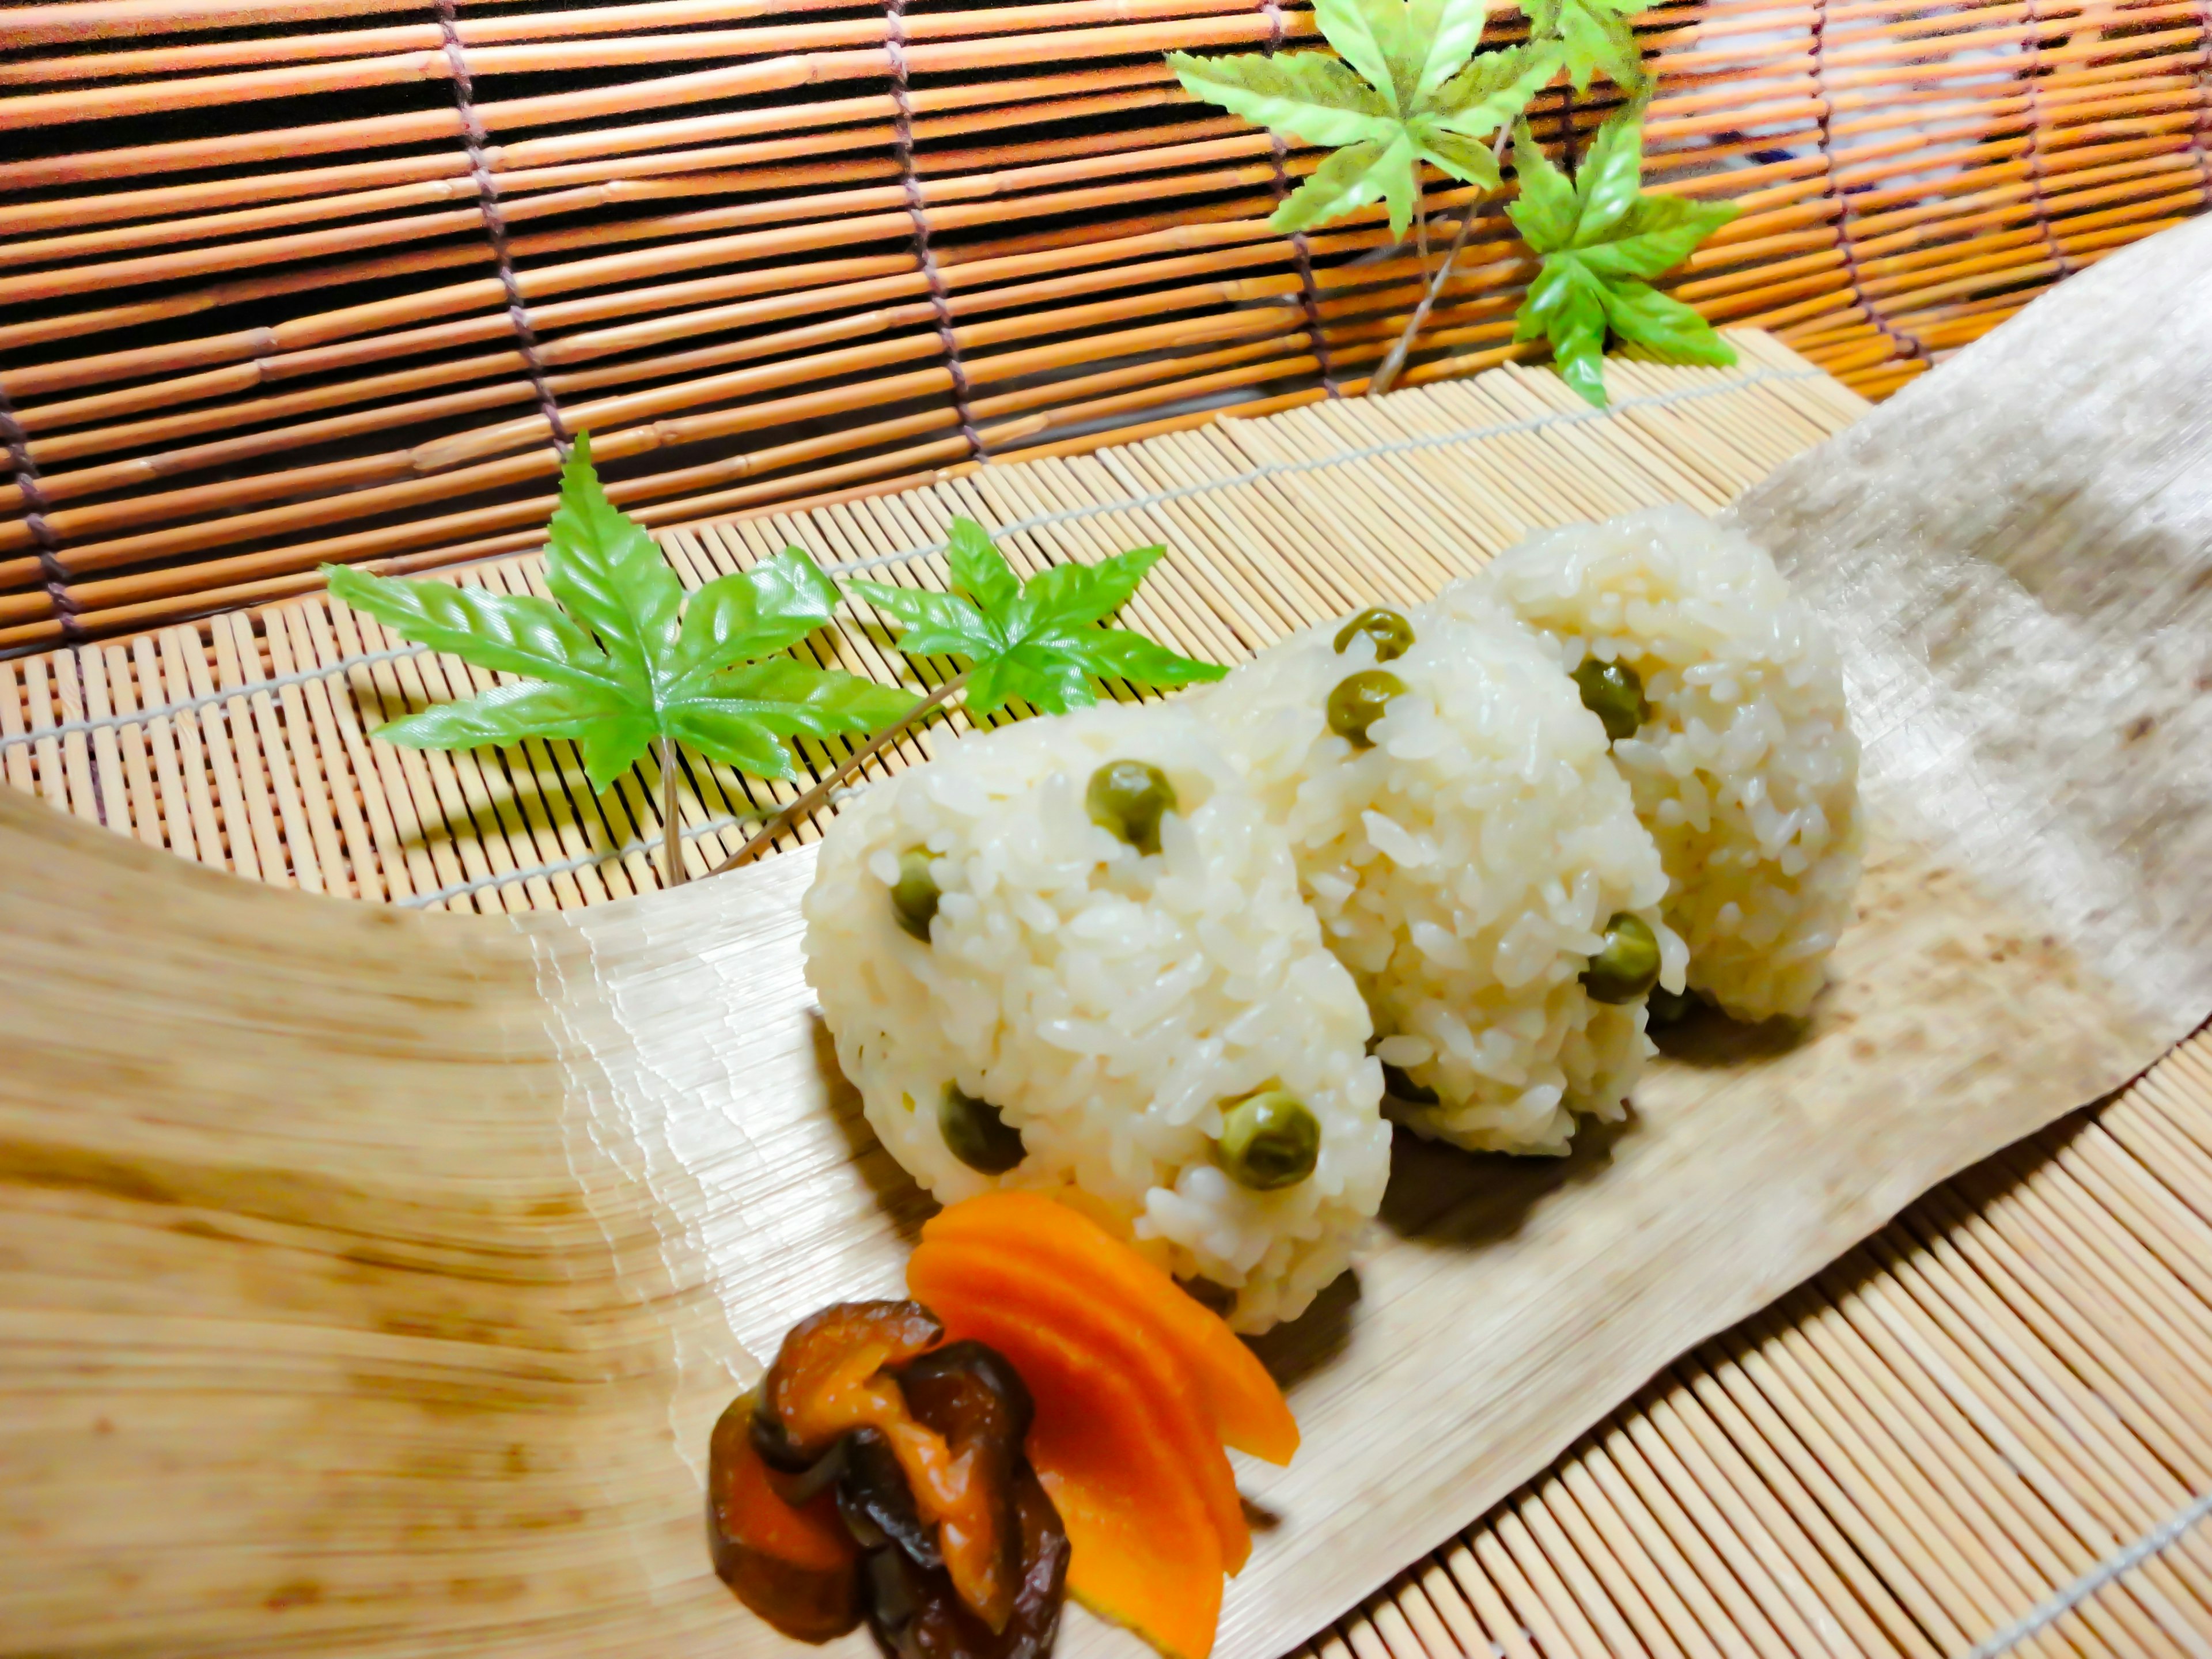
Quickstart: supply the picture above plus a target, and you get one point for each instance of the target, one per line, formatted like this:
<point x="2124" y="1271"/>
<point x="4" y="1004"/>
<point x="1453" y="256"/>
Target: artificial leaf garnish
<point x="1401" y="92"/>
<point x="617" y="660"/>
<point x="1594" y="35"/>
<point x="1599" y="237"/>
<point x="1037" y="639"/>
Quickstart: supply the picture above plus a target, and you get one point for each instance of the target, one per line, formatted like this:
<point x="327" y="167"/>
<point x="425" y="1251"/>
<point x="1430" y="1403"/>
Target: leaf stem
<point x="1421" y="222"/>
<point x="672" y="823"/>
<point x="820" y="792"/>
<point x="1386" y="376"/>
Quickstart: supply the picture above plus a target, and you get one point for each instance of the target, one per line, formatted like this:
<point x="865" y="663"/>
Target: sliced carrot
<point x="1247" y="1410"/>
<point x="1142" y="1550"/>
<point x="963" y="1274"/>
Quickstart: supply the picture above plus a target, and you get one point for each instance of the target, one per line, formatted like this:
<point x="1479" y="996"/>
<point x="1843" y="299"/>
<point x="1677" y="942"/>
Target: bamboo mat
<point x="1988" y="1429"/>
<point x="239" y="741"/>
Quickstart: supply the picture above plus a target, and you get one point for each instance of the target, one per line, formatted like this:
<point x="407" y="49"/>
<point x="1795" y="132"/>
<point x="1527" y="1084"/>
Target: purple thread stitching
<point x="52" y="574"/>
<point x="940" y="298"/>
<point x="1309" y="291"/>
<point x="2058" y="255"/>
<point x="475" y="138"/>
<point x="1904" y="343"/>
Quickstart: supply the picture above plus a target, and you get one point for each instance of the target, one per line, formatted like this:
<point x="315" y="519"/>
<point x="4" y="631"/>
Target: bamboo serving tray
<point x="1984" y="1429"/>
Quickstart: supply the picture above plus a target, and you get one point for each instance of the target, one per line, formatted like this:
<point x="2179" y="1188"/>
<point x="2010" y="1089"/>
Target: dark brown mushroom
<point x="914" y="1614"/>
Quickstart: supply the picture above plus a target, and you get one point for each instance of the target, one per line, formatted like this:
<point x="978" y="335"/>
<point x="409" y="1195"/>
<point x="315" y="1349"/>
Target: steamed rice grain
<point x="1108" y="1003"/>
<point x="1746" y="771"/>
<point x="1464" y="868"/>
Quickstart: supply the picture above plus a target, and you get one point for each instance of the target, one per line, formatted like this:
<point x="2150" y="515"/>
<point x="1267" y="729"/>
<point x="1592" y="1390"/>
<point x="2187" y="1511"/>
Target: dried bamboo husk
<point x="380" y="1283"/>
<point x="317" y="314"/>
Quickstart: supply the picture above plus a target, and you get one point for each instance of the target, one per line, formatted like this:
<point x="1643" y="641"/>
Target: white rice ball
<point x="1106" y="1002"/>
<point x="1464" y="868"/>
<point x="1747" y="771"/>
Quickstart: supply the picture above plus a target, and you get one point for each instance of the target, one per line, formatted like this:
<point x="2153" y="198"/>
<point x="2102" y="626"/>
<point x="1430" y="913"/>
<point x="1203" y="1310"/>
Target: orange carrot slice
<point x="1247" y="1410"/>
<point x="965" y="1275"/>
<point x="1143" y="1549"/>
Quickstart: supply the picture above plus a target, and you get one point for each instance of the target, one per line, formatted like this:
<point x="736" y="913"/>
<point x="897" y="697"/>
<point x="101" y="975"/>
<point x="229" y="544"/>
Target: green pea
<point x="1129" y="798"/>
<point x="1664" y="1007"/>
<point x="1627" y="965"/>
<point x="1358" y="702"/>
<point x="913" y="895"/>
<point x="1392" y="634"/>
<point x="1268" y="1141"/>
<point x="977" y="1133"/>
<point x="1399" y="1086"/>
<point x="1615" y="693"/>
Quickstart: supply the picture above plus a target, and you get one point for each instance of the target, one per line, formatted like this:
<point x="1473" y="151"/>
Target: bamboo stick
<point x="805" y="67"/>
<point x="471" y="31"/>
<point x="541" y="162"/>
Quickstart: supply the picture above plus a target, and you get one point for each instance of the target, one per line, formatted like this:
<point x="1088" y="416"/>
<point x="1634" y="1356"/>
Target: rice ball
<point x="1742" y="761"/>
<point x="1123" y="1014"/>
<point x="1466" y="852"/>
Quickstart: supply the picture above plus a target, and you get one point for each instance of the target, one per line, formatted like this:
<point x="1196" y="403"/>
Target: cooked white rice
<point x="1106" y="1002"/>
<point x="1746" y="772"/>
<point x="1464" y="868"/>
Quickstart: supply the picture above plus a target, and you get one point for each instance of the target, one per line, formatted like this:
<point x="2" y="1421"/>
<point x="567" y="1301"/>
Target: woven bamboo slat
<point x="240" y="740"/>
<point x="769" y="254"/>
<point x="1981" y="1432"/>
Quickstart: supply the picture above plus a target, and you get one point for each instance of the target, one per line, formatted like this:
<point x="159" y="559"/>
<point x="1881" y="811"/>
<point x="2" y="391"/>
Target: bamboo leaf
<point x="1468" y="160"/>
<point x="1440" y="36"/>
<point x="508" y="634"/>
<point x="979" y="570"/>
<point x="1594" y="36"/>
<point x="1643" y="315"/>
<point x="505" y="714"/>
<point x="1493" y="89"/>
<point x="1599" y="236"/>
<point x="1305" y="95"/>
<point x="1038" y="640"/>
<point x="1610" y="178"/>
<point x="1355" y="177"/>
<point x="606" y="571"/>
<point x="1545" y="210"/>
<point x="617" y="661"/>
<point x="1367" y="32"/>
<point x="769" y="608"/>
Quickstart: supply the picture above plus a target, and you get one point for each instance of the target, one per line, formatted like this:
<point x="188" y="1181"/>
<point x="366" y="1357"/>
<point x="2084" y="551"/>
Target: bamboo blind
<point x="241" y="741"/>
<point x="288" y="281"/>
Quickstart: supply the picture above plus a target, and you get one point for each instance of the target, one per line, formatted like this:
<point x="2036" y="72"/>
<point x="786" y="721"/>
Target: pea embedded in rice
<point x="1742" y="758"/>
<point x="1467" y="843"/>
<point x="1026" y="994"/>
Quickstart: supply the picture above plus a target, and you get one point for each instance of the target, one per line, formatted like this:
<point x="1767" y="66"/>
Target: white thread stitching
<point x="1042" y="520"/>
<point x="2044" y="1613"/>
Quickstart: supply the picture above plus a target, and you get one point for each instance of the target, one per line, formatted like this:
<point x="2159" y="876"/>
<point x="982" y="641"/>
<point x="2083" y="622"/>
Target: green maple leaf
<point x="618" y="661"/>
<point x="1037" y="639"/>
<point x="1594" y="35"/>
<point x="1402" y="92"/>
<point x="1599" y="237"/>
